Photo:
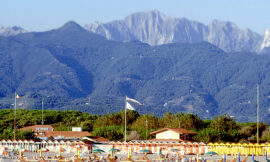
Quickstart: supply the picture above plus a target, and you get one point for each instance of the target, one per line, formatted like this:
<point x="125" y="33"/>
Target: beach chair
<point x="245" y="159"/>
<point x="234" y="160"/>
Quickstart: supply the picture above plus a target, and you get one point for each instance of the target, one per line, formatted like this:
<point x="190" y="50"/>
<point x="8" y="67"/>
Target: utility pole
<point x="125" y="119"/>
<point x="258" y="113"/>
<point x="146" y="124"/>
<point x="15" y="104"/>
<point x="179" y="122"/>
<point x="42" y="121"/>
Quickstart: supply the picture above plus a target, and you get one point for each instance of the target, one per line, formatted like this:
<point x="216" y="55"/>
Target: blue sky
<point x="41" y="15"/>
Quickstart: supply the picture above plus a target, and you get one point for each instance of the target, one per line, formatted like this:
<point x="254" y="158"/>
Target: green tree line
<point x="139" y="126"/>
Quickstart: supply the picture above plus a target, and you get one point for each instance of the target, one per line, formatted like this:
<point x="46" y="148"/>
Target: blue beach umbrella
<point x="97" y="151"/>
<point x="211" y="153"/>
<point x="145" y="151"/>
<point x="114" y="150"/>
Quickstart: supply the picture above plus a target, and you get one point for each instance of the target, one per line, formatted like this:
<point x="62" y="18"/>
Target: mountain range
<point x="9" y="31"/>
<point x="156" y="28"/>
<point x="72" y="68"/>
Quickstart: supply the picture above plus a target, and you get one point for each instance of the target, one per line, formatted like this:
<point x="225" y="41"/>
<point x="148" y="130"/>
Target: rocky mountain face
<point x="156" y="28"/>
<point x="9" y="31"/>
<point x="266" y="39"/>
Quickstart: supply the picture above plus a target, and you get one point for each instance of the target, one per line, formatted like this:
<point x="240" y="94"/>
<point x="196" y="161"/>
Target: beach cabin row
<point x="163" y="147"/>
<point x="33" y="146"/>
<point x="242" y="148"/>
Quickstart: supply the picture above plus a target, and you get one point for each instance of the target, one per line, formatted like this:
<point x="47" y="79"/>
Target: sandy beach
<point x="52" y="156"/>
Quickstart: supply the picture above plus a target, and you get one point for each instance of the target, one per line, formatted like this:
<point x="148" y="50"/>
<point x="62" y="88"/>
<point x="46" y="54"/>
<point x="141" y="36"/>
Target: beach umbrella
<point x="20" y="153"/>
<point x="40" y="153"/>
<point x="60" y="150"/>
<point x="129" y="153"/>
<point x="114" y="150"/>
<point x="174" y="149"/>
<point x="145" y="151"/>
<point x="211" y="153"/>
<point x="159" y="151"/>
<point x="4" y="152"/>
<point x="98" y="151"/>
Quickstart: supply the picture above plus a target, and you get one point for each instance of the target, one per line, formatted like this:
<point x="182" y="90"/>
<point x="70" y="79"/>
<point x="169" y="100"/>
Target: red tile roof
<point x="38" y="128"/>
<point x="169" y="140"/>
<point x="65" y="134"/>
<point x="97" y="139"/>
<point x="177" y="130"/>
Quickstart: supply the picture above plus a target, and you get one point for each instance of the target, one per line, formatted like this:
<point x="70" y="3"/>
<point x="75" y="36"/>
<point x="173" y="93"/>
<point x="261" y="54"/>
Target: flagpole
<point x="15" y="104"/>
<point x="258" y="113"/>
<point x="126" y="119"/>
<point x="42" y="121"/>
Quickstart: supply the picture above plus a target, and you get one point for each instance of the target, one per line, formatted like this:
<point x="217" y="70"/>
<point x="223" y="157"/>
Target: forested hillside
<point x="69" y="66"/>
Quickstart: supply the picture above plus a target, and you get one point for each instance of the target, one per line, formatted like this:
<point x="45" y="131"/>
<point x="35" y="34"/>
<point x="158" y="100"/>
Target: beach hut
<point x="220" y="148"/>
<point x="267" y="147"/>
<point x="210" y="147"/>
<point x="259" y="150"/>
<point x="234" y="149"/>
<point x="245" y="148"/>
<point x="264" y="148"/>
<point x="15" y="145"/>
<point x="21" y="144"/>
<point x="195" y="148"/>
<point x="26" y="145"/>
<point x="238" y="148"/>
<point x="251" y="148"/>
<point x="201" y="148"/>
<point x="10" y="145"/>
<point x="227" y="148"/>
<point x="31" y="145"/>
<point x="43" y="145"/>
<point x="62" y="144"/>
<point x="136" y="146"/>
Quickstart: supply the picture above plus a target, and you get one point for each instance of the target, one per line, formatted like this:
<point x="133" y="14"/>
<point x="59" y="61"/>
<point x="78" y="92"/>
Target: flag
<point x="17" y="96"/>
<point x="129" y="106"/>
<point x="133" y="100"/>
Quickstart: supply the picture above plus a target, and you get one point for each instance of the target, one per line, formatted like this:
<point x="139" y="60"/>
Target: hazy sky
<point x="40" y="15"/>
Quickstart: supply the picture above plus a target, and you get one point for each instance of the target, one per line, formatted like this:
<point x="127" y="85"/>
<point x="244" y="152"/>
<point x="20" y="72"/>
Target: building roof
<point x="38" y="128"/>
<point x="177" y="130"/>
<point x="64" y="134"/>
<point x="168" y="140"/>
<point x="97" y="139"/>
